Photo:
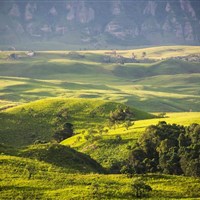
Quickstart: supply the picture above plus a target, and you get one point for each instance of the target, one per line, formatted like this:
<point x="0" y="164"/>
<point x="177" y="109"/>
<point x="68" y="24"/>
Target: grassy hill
<point x="113" y="147"/>
<point x="57" y="171"/>
<point x="164" y="84"/>
<point x="62" y="156"/>
<point x="54" y="156"/>
<point x="39" y="120"/>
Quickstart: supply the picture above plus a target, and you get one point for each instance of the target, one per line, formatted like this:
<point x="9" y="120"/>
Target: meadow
<point x="49" y="182"/>
<point x="164" y="84"/>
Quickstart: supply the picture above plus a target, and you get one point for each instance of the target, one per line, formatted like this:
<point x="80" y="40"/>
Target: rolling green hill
<point x="161" y="84"/>
<point x="54" y="156"/>
<point x="62" y="156"/>
<point x="111" y="150"/>
<point x="39" y="120"/>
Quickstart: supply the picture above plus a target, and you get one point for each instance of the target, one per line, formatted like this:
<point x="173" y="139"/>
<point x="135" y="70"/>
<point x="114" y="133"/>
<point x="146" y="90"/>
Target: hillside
<point x="61" y="156"/>
<point x="162" y="81"/>
<point x="55" y="156"/>
<point x="97" y="25"/>
<point x="39" y="120"/>
<point x="55" y="171"/>
<point x="50" y="182"/>
<point x="121" y="140"/>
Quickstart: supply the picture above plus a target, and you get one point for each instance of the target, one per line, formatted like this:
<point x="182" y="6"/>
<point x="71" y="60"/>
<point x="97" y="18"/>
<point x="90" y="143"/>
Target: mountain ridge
<point x="97" y="24"/>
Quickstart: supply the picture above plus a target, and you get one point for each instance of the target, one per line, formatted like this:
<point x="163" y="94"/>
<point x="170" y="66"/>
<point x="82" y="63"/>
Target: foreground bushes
<point x="167" y="148"/>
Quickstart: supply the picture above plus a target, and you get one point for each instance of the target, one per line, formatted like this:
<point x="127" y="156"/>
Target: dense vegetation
<point x="167" y="148"/>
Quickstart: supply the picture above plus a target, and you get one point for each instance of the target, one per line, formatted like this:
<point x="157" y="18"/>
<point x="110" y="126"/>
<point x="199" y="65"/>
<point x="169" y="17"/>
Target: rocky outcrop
<point x="150" y="8"/>
<point x="53" y="11"/>
<point x="186" y="6"/>
<point x="14" y="11"/>
<point x="116" y="7"/>
<point x="29" y="11"/>
<point x="80" y="12"/>
<point x="100" y="22"/>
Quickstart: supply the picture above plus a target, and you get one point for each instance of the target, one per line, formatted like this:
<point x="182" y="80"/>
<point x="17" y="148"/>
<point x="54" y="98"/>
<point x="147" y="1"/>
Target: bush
<point x="140" y="188"/>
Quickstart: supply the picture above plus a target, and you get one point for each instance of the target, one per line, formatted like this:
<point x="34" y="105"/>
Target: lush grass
<point x="104" y="149"/>
<point x="58" y="175"/>
<point x="165" y="85"/>
<point x="39" y="120"/>
<point x="50" y="182"/>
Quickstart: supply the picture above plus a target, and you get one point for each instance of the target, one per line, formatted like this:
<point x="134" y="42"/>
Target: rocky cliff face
<point x="121" y="22"/>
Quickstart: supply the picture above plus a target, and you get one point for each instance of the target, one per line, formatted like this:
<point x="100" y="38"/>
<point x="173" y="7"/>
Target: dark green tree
<point x="168" y="148"/>
<point x="65" y="132"/>
<point x="140" y="188"/>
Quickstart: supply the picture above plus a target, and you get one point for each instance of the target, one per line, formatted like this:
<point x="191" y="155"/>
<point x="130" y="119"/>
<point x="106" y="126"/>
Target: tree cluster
<point x="140" y="188"/>
<point x="167" y="148"/>
<point x="121" y="115"/>
<point x="65" y="132"/>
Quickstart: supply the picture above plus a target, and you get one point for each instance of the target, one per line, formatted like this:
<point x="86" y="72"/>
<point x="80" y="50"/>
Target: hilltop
<point x="39" y="120"/>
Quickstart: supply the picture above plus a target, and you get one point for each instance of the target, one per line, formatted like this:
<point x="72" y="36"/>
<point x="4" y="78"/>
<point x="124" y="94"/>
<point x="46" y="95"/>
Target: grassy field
<point x="164" y="85"/>
<point x="50" y="182"/>
<point x="39" y="120"/>
<point x="47" y="171"/>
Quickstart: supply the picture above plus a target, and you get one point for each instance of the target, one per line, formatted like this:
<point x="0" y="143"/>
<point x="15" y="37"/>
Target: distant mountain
<point x="99" y="24"/>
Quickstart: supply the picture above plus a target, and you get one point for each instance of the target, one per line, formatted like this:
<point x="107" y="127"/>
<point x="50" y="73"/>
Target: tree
<point x="144" y="54"/>
<point x="167" y="148"/>
<point x="140" y="188"/>
<point x="121" y="115"/>
<point x="31" y="170"/>
<point x="127" y="124"/>
<point x="64" y="133"/>
<point x="162" y="115"/>
<point x="133" y="56"/>
<point x="118" y="139"/>
<point x="136" y="161"/>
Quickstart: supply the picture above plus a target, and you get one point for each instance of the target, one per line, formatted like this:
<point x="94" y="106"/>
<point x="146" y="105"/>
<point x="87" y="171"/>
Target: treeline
<point x="166" y="148"/>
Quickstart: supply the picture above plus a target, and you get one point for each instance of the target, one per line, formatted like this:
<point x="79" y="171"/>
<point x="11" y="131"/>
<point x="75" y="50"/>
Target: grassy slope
<point x="24" y="124"/>
<point x="56" y="156"/>
<point x="55" y="73"/>
<point x="50" y="182"/>
<point x="104" y="150"/>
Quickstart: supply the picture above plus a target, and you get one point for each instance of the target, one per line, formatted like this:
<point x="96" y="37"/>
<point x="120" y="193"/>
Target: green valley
<point x="155" y="83"/>
<point x="71" y="123"/>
